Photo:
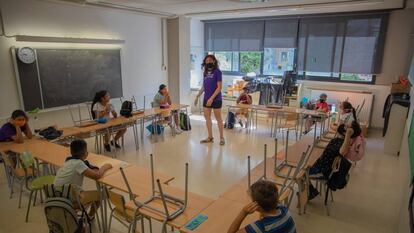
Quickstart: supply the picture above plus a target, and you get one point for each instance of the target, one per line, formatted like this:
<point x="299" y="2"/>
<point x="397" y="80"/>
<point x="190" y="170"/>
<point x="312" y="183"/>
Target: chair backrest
<point x="118" y="201"/>
<point x="11" y="165"/>
<point x="291" y="116"/>
<point x="77" y="115"/>
<point x="27" y="160"/>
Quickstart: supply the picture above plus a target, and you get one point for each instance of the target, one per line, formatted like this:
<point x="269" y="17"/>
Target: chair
<point x="290" y="121"/>
<point x="126" y="215"/>
<point x="322" y="183"/>
<point x="160" y="206"/>
<point x="37" y="183"/>
<point x="15" y="172"/>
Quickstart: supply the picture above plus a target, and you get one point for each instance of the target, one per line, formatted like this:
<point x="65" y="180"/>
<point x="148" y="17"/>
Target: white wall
<point x="398" y="46"/>
<point x="141" y="53"/>
<point x="404" y="172"/>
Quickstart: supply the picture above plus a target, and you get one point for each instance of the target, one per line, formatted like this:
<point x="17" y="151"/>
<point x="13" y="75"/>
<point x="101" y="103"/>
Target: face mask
<point x="210" y="66"/>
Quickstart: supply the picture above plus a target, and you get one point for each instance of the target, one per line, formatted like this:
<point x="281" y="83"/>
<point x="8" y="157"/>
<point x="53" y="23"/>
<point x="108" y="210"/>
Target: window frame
<point x="331" y="78"/>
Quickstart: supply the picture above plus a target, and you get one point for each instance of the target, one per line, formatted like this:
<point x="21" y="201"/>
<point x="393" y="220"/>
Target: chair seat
<point x="129" y="211"/>
<point x="41" y="181"/>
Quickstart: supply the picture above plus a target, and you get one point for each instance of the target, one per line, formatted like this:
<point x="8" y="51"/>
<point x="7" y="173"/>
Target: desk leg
<point x="301" y="126"/>
<point x="255" y="112"/>
<point x="188" y="119"/>
<point x="173" y="125"/>
<point x="102" y="198"/>
<point x="135" y="130"/>
<point x="271" y="128"/>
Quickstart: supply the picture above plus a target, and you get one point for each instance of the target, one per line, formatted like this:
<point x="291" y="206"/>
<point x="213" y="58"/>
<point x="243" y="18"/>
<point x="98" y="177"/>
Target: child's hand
<point x="107" y="166"/>
<point x="349" y="131"/>
<point x="250" y="208"/>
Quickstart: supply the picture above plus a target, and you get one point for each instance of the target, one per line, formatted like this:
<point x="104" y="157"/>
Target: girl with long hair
<point x="212" y="84"/>
<point x="102" y="108"/>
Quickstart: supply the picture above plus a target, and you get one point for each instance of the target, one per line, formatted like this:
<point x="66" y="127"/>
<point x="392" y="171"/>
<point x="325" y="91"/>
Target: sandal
<point x="207" y="140"/>
<point x="222" y="142"/>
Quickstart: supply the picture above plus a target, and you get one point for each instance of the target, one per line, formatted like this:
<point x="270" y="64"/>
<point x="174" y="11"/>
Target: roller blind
<point x="280" y="33"/>
<point x="346" y="44"/>
<point x="363" y="44"/>
<point x="320" y="44"/>
<point x="234" y="36"/>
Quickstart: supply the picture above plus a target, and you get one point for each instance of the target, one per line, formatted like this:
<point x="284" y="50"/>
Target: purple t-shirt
<point x="7" y="131"/>
<point x="210" y="85"/>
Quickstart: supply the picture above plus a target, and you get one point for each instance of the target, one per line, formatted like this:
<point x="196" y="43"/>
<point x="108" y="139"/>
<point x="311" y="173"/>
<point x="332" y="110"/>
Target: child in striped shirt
<point x="274" y="217"/>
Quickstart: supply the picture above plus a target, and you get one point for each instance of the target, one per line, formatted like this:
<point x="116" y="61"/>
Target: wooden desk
<point x="221" y="214"/>
<point x="56" y="154"/>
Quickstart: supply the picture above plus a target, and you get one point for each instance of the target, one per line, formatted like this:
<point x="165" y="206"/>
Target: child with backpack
<point x="75" y="168"/>
<point x="349" y="146"/>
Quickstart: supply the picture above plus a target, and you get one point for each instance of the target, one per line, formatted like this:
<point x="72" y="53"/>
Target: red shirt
<point x="243" y="99"/>
<point x="324" y="106"/>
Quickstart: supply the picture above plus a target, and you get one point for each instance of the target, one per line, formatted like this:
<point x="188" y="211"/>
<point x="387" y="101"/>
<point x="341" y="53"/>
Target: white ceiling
<point x="209" y="9"/>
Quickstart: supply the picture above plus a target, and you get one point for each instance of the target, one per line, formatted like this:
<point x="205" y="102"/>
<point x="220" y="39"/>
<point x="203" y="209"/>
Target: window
<point x="278" y="60"/>
<point x="346" y="47"/>
<point x="239" y="63"/>
<point x="356" y="77"/>
<point x="228" y="61"/>
<point x="250" y="62"/>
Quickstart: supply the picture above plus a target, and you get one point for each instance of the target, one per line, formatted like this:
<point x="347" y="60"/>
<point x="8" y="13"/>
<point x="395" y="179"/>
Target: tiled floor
<point x="368" y="204"/>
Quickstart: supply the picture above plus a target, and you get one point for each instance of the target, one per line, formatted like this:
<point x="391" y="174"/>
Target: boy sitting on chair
<point x="75" y="168"/>
<point x="274" y="217"/>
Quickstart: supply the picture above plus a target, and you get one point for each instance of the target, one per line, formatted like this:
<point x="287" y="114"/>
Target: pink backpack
<point x="356" y="149"/>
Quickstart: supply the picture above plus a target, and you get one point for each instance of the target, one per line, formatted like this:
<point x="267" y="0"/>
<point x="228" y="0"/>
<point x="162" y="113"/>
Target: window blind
<point x="234" y="36"/>
<point x="280" y="33"/>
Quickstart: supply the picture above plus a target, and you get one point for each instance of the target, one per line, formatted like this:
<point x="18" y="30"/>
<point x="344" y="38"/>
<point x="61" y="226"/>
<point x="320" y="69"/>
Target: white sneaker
<point x="178" y="130"/>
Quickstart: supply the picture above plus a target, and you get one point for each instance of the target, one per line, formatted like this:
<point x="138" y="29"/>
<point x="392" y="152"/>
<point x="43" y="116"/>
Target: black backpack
<point x="126" y="109"/>
<point x="340" y="175"/>
<point x="185" y="122"/>
<point x="50" y="133"/>
<point x="231" y="120"/>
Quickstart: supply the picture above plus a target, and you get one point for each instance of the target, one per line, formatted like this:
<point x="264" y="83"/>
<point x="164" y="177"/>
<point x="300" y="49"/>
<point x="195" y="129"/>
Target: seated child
<point x="163" y="98"/>
<point x="244" y="98"/>
<point x="338" y="146"/>
<point x="75" y="168"/>
<point x="274" y="217"/>
<point x="321" y="106"/>
<point x="347" y="115"/>
<point x="16" y="128"/>
<point x="102" y="108"/>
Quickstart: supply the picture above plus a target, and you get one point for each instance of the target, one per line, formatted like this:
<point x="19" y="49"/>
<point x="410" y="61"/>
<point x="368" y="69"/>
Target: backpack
<point x="356" y="149"/>
<point x="230" y="121"/>
<point x="61" y="215"/>
<point x="159" y="129"/>
<point x="126" y="109"/>
<point x="185" y="122"/>
<point x="340" y="173"/>
<point x="50" y="133"/>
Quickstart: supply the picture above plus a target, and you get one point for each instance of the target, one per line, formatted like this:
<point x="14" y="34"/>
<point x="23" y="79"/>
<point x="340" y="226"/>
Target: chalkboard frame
<point x="41" y="104"/>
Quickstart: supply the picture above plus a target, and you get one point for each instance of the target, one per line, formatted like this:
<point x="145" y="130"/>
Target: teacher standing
<point x="212" y="84"/>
